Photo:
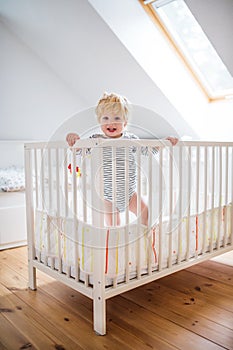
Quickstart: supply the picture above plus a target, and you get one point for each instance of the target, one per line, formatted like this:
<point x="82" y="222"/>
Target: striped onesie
<point x="121" y="201"/>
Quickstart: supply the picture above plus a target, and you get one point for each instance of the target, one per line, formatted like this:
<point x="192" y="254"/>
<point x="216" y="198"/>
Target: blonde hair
<point x="113" y="103"/>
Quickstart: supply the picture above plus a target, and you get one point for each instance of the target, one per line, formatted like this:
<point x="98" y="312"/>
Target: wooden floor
<point x="191" y="309"/>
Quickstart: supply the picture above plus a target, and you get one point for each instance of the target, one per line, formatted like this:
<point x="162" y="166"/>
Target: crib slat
<point x="139" y="240"/>
<point x="180" y="204"/>
<point x="58" y="183"/>
<point x="197" y="178"/>
<point x="226" y="196"/>
<point x="84" y="185"/>
<point x="126" y="215"/>
<point x="160" y="208"/>
<point x="227" y="173"/>
<point x="49" y="209"/>
<point x="36" y="177"/>
<point x="231" y="237"/>
<point x="212" y="199"/>
<point x="41" y="192"/>
<point x="65" y="209"/>
<point x="97" y="194"/>
<point x="171" y="156"/>
<point x="65" y="171"/>
<point x="50" y="178"/>
<point x="197" y="196"/>
<point x="58" y="211"/>
<point x="114" y="194"/>
<point x="42" y="180"/>
<point x="220" y="197"/>
<point x="114" y="186"/>
<point x="189" y="175"/>
<point x="74" y="195"/>
<point x="150" y="210"/>
<point x="205" y="200"/>
<point x="84" y="197"/>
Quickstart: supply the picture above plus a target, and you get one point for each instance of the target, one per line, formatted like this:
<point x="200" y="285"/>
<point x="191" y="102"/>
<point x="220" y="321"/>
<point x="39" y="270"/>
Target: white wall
<point x="32" y="98"/>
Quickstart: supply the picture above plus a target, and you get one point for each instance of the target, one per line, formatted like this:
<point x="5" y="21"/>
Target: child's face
<point x="112" y="125"/>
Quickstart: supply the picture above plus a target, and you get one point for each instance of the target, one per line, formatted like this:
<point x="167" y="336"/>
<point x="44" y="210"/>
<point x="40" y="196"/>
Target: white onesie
<point x="121" y="201"/>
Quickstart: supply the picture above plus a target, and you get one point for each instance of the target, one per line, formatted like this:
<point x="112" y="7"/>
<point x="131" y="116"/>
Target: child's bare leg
<point x="109" y="215"/>
<point x="144" y="209"/>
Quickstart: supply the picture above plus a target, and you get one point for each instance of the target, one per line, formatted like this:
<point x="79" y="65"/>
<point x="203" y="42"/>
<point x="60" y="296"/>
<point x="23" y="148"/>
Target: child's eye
<point x="117" y="118"/>
<point x="105" y="119"/>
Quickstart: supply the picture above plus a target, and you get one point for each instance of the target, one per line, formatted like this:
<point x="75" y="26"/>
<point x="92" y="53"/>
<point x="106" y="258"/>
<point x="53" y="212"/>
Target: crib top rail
<point x="86" y="143"/>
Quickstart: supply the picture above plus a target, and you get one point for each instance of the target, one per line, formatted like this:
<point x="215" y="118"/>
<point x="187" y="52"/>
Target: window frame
<point x="147" y="5"/>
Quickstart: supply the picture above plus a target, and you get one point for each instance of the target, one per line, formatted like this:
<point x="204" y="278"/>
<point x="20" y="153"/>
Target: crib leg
<point x="99" y="315"/>
<point x="32" y="276"/>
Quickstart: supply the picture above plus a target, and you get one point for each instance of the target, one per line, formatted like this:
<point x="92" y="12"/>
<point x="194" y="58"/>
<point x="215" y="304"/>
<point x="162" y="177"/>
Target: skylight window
<point x="194" y="46"/>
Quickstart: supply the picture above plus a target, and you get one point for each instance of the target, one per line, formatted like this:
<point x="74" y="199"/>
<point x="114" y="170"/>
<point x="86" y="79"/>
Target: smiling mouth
<point x="111" y="129"/>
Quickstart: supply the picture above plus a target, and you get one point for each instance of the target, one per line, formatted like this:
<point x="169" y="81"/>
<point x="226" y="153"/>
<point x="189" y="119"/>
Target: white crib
<point x="189" y="192"/>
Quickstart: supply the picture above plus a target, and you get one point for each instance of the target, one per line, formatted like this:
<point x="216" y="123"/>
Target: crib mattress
<point x="186" y="239"/>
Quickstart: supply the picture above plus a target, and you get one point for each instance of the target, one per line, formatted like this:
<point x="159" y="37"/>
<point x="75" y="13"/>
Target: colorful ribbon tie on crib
<point x="78" y="170"/>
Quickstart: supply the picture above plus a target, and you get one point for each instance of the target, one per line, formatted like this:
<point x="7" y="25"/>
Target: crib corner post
<point x="99" y="296"/>
<point x="99" y="299"/>
<point x="31" y="276"/>
<point x="99" y="310"/>
<point x="30" y="217"/>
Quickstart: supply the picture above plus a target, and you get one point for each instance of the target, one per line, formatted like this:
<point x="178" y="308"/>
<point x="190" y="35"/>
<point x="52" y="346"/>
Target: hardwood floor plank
<point x="59" y="291"/>
<point x="78" y="326"/>
<point x="74" y="297"/>
<point x="191" y="309"/>
<point x="215" y="292"/>
<point x="83" y="305"/>
<point x="185" y="317"/>
<point x="124" y="316"/>
<point x="75" y="323"/>
<point x="155" y="326"/>
<point x="20" y="315"/>
<point x="65" y="291"/>
<point x="18" y="263"/>
<point x="84" y="308"/>
<point x="11" y="338"/>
